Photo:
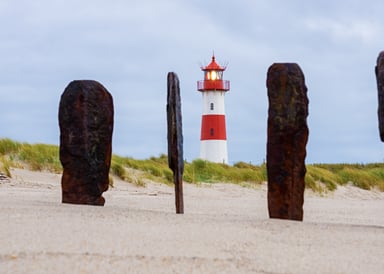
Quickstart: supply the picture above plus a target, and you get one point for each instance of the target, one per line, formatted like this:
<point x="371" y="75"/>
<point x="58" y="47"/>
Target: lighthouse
<point x="213" y="138"/>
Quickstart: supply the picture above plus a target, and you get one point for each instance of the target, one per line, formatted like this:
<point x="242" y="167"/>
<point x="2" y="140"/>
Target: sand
<point x="225" y="229"/>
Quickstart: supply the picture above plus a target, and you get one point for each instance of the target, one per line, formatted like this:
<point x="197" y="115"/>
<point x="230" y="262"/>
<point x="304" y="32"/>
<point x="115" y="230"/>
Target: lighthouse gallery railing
<point x="213" y="85"/>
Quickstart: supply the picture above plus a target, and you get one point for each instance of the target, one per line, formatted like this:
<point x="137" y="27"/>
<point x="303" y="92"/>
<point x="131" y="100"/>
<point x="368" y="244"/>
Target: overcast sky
<point x="130" y="46"/>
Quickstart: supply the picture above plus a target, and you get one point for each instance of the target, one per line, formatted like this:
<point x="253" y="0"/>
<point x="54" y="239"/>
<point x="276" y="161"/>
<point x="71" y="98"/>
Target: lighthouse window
<point x="211" y="132"/>
<point x="211" y="106"/>
<point x="213" y="75"/>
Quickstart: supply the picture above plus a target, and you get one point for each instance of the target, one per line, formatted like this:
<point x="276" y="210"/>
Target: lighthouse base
<point x="214" y="151"/>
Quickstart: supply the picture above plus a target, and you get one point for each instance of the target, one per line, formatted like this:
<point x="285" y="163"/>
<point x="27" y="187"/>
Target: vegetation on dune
<point x="319" y="177"/>
<point x="365" y="176"/>
<point x="35" y="157"/>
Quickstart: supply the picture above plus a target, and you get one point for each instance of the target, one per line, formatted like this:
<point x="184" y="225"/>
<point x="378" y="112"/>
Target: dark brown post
<point x="379" y="70"/>
<point x="287" y="139"/>
<point x="175" y="138"/>
<point x="86" y="125"/>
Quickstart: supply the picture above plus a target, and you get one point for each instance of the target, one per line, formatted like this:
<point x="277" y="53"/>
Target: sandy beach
<point x="225" y="229"/>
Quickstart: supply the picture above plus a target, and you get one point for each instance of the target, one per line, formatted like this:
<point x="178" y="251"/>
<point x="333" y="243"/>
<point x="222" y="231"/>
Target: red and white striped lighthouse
<point x="213" y="139"/>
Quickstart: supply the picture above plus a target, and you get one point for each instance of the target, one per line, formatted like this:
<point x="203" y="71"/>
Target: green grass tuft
<point x="5" y="166"/>
<point x="316" y="175"/>
<point x="36" y="157"/>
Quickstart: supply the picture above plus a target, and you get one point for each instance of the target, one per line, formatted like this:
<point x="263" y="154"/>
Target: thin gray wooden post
<point x="175" y="138"/>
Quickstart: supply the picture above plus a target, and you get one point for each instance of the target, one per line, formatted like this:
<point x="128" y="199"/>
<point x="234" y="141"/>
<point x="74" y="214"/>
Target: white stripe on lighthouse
<point x="213" y="102"/>
<point x="214" y="151"/>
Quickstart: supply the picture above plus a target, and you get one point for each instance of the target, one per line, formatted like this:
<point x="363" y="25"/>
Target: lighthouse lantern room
<point x="213" y="138"/>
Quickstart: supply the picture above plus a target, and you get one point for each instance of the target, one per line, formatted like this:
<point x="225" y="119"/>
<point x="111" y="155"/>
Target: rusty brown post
<point x="175" y="138"/>
<point x="379" y="71"/>
<point x="287" y="139"/>
<point x="86" y="125"/>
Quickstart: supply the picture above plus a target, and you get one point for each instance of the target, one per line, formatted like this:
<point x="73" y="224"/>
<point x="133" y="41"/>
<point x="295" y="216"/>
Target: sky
<point x="130" y="46"/>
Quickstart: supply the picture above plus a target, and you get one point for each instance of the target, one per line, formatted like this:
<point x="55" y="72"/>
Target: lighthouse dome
<point x="213" y="66"/>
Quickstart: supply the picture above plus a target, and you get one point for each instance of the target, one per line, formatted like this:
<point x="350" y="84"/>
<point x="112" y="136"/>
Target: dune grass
<point x="365" y="176"/>
<point x="35" y="157"/>
<point x="319" y="177"/>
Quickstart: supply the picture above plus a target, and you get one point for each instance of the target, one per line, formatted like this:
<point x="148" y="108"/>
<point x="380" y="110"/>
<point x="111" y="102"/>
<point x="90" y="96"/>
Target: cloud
<point x="355" y="31"/>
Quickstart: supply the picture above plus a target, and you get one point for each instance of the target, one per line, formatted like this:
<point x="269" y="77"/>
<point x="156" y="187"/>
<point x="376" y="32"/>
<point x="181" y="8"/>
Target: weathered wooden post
<point x="287" y="139"/>
<point x="379" y="71"/>
<point x="86" y="125"/>
<point x="175" y="138"/>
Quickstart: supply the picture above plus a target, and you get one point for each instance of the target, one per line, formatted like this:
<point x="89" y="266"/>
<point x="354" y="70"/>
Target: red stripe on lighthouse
<point x="213" y="127"/>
